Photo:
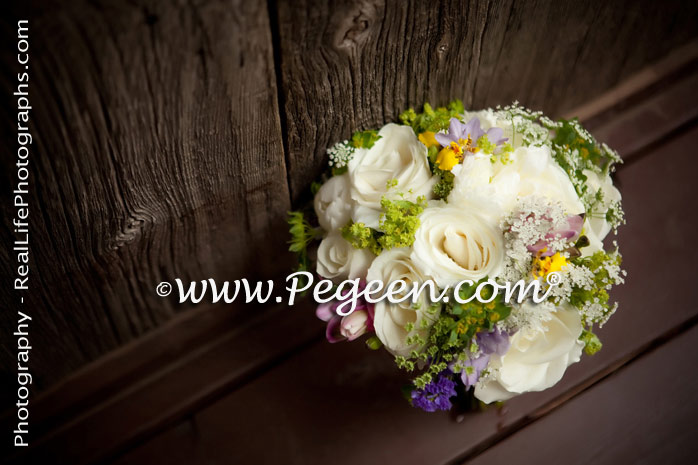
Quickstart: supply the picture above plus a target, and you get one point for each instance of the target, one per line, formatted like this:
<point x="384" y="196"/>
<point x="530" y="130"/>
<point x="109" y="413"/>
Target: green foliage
<point x="575" y="150"/>
<point x="592" y="343"/>
<point x="361" y="236"/>
<point x="336" y="171"/>
<point x="374" y="343"/>
<point x="430" y="119"/>
<point x="570" y="134"/>
<point x="454" y="331"/>
<point x="302" y="234"/>
<point x="399" y="222"/>
<point x="605" y="267"/>
<point x="445" y="184"/>
<point x="474" y="316"/>
<point x="364" y="139"/>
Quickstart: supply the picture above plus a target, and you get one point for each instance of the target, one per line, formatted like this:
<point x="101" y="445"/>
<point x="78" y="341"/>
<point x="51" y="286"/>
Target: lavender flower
<point x="460" y="132"/>
<point x="472" y="368"/>
<point x="435" y="395"/>
<point x="494" y="342"/>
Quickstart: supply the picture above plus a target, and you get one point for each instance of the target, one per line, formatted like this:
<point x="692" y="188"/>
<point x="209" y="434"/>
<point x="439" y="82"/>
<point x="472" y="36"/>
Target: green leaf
<point x="364" y="139"/>
<point x="592" y="343"/>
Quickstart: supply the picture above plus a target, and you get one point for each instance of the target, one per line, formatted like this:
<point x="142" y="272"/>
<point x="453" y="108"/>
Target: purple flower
<point x="346" y="327"/>
<point x="570" y="232"/>
<point x="472" y="368"/>
<point x="460" y="132"/>
<point x="435" y="395"/>
<point x="493" y="342"/>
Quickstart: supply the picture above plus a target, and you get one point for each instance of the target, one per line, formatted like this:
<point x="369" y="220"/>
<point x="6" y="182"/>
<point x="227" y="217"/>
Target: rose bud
<point x="354" y="324"/>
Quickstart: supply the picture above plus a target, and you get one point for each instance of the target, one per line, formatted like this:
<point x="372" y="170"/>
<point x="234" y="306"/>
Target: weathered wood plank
<point x="646" y="81"/>
<point x="644" y="413"/>
<point x="353" y="65"/>
<point x="341" y="403"/>
<point x="164" y="395"/>
<point x="157" y="154"/>
<point x="113" y="395"/>
<point x="635" y="130"/>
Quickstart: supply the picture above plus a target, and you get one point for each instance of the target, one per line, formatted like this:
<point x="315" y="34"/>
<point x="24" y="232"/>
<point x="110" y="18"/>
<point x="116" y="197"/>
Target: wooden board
<point x="341" y="403"/>
<point x="162" y="395"/>
<point x="644" y="413"/>
<point x="158" y="138"/>
<point x="200" y="351"/>
<point x="355" y="65"/>
<point x="157" y="154"/>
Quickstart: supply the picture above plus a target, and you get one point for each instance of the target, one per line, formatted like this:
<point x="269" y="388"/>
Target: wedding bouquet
<point x="462" y="205"/>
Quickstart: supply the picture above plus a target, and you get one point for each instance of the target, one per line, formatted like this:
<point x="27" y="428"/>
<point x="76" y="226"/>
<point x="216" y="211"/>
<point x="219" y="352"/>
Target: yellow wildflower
<point x="546" y="265"/>
<point x="427" y="138"/>
<point x="449" y="156"/>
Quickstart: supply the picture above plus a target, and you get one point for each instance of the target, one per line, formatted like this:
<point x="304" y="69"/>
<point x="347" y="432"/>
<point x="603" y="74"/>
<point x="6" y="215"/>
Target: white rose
<point x="337" y="258"/>
<point x="536" y="359"/>
<point x="389" y="319"/>
<point x="477" y="180"/>
<point x="532" y="171"/>
<point x="333" y="203"/>
<point x="455" y="243"/>
<point x="398" y="155"/>
<point x="595" y="243"/>
<point x="597" y="222"/>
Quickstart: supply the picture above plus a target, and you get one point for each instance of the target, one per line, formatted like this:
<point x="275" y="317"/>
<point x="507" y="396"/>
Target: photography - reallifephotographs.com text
<point x="20" y="226"/>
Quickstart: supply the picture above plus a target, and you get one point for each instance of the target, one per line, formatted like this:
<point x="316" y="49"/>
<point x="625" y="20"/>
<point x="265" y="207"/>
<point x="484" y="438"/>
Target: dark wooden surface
<point x="162" y="148"/>
<point x="162" y="139"/>
<point x="360" y="64"/>
<point x="643" y="413"/>
<point x="341" y="404"/>
<point x="158" y="154"/>
<point x="231" y="389"/>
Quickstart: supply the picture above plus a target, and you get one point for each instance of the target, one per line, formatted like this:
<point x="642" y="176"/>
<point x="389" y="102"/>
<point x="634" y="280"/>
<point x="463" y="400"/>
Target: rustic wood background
<point x="170" y="139"/>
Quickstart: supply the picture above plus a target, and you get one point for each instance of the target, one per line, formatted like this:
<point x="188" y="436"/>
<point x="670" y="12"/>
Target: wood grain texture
<point x="157" y="154"/>
<point x="159" y="145"/>
<point x="633" y="132"/>
<point x="127" y="398"/>
<point x="352" y="65"/>
<point x="341" y="404"/>
<point x="644" y="413"/>
<point x="163" y="395"/>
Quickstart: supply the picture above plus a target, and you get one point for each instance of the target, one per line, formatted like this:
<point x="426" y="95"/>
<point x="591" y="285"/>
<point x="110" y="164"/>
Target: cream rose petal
<point x="390" y="318"/>
<point x="397" y="155"/>
<point x="456" y="243"/>
<point x="531" y="172"/>
<point x="597" y="222"/>
<point x="333" y="204"/>
<point x="537" y="358"/>
<point x="336" y="258"/>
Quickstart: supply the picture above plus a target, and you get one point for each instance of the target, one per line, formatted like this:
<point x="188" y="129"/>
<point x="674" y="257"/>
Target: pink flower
<point x="348" y="327"/>
<point x="354" y="325"/>
<point x="570" y="232"/>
